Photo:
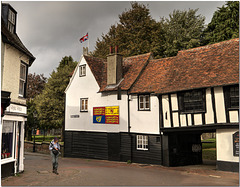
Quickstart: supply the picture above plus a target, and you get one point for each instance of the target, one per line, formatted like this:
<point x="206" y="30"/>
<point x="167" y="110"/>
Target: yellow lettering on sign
<point x="113" y="110"/>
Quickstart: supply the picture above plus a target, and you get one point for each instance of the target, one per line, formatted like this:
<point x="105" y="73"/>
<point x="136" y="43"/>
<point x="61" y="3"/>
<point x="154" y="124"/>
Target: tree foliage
<point x="224" y="24"/>
<point x="137" y="32"/>
<point x="50" y="103"/>
<point x="35" y="85"/>
<point x="183" y="30"/>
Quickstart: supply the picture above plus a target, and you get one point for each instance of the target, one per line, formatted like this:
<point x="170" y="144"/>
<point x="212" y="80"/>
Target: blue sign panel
<point x="98" y="119"/>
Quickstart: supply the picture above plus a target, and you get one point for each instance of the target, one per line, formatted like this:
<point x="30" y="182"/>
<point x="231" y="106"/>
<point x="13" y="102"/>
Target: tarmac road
<point x="90" y="172"/>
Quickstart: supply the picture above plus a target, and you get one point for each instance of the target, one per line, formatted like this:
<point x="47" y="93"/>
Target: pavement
<point x="91" y="172"/>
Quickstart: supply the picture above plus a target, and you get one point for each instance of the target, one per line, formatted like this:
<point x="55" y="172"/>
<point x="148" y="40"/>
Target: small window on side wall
<point x="82" y="70"/>
<point x="22" y="82"/>
<point x="142" y="142"/>
<point x="144" y="102"/>
<point x="84" y="105"/>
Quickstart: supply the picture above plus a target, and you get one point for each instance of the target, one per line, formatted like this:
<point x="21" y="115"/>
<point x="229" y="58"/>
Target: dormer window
<point x="11" y="21"/>
<point x="82" y="70"/>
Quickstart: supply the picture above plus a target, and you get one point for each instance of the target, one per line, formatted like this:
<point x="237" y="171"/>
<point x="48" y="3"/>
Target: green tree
<point x="35" y="85"/>
<point x="136" y="33"/>
<point x="224" y="24"/>
<point x="50" y="103"/>
<point x="182" y="30"/>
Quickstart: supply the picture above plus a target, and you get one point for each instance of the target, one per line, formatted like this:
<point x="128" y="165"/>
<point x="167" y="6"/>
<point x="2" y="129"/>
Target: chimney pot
<point x="116" y="49"/>
<point x="111" y="49"/>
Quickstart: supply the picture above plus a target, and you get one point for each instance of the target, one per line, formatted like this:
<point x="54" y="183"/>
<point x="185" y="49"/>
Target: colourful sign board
<point x="106" y="115"/>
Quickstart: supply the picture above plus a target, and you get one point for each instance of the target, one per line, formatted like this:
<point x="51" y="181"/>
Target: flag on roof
<point x="84" y="38"/>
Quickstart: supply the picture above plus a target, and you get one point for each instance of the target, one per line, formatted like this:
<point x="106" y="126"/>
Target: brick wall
<point x="40" y="147"/>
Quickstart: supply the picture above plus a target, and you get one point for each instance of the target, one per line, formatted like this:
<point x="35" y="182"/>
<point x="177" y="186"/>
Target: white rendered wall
<point x="87" y="87"/>
<point x="144" y="121"/>
<point x="209" y="116"/>
<point x="220" y="106"/>
<point x="224" y="141"/>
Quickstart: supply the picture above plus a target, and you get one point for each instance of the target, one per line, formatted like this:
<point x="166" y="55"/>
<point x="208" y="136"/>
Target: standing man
<point x="54" y="148"/>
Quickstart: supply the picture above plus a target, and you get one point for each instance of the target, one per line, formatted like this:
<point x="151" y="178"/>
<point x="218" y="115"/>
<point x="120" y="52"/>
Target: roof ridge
<point x="207" y="46"/>
<point x="149" y="53"/>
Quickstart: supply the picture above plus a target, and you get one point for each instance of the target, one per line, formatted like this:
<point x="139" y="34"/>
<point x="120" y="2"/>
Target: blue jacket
<point x="54" y="145"/>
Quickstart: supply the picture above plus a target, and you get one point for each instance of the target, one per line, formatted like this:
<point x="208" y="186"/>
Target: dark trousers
<point x="54" y="160"/>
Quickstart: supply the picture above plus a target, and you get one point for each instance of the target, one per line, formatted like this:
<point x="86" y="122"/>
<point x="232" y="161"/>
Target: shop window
<point x="82" y="70"/>
<point x="144" y="102"/>
<point x="142" y="142"/>
<point x="7" y="139"/>
<point x="192" y="101"/>
<point x="84" y="105"/>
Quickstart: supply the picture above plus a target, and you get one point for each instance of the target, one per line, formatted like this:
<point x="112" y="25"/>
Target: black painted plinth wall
<point x="228" y="166"/>
<point x="177" y="149"/>
<point x="7" y="169"/>
<point x="111" y="146"/>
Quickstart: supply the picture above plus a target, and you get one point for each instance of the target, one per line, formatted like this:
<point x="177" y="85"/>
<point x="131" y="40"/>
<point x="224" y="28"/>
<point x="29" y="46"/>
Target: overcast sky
<point x="51" y="30"/>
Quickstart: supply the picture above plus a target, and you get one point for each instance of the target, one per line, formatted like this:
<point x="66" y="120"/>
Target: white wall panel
<point x="174" y="102"/>
<point x="220" y="106"/>
<point x="166" y="111"/>
<point x="175" y="119"/>
<point x="209" y="116"/>
<point x="183" y="120"/>
<point x="189" y="119"/>
<point x="233" y="115"/>
<point x="224" y="145"/>
<point x="198" y="119"/>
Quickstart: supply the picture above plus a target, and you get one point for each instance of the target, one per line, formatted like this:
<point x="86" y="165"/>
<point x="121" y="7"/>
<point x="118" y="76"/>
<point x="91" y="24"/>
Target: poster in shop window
<point x="106" y="115"/>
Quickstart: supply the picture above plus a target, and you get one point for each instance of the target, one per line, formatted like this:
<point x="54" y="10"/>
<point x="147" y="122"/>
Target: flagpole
<point x="88" y="43"/>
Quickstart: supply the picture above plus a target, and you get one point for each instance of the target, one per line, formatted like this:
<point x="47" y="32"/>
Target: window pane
<point x="23" y="72"/>
<point x="141" y="99"/>
<point x="147" y="98"/>
<point x="193" y="101"/>
<point x="82" y="104"/>
<point x="21" y="87"/>
<point x="86" y="104"/>
<point x="7" y="139"/>
<point x="147" y="105"/>
<point x="141" y="106"/>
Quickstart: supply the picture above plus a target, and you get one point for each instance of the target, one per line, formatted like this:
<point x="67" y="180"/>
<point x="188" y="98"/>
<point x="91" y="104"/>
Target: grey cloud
<point x="51" y="30"/>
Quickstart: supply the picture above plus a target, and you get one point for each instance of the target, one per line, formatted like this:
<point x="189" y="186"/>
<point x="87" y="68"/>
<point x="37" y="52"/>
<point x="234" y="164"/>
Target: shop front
<point x="12" y="144"/>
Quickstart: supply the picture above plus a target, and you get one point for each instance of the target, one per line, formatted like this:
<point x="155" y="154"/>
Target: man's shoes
<point x="55" y="171"/>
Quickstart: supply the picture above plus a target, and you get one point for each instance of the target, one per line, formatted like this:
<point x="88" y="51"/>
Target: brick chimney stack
<point x="114" y="67"/>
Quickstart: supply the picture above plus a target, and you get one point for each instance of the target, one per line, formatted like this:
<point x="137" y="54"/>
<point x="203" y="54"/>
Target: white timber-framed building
<point x="154" y="110"/>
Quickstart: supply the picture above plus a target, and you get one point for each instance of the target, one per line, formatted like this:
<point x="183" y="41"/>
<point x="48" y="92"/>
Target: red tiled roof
<point x="207" y="66"/>
<point x="132" y="67"/>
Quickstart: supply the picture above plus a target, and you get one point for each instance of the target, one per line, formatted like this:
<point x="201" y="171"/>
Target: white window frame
<point x="85" y="106"/>
<point x="82" y="70"/>
<point x="144" y="102"/>
<point x="22" y="80"/>
<point x="142" y="142"/>
<point x="11" y="21"/>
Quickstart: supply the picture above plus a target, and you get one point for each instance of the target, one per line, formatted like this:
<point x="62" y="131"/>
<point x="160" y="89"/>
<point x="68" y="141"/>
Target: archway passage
<point x="191" y="147"/>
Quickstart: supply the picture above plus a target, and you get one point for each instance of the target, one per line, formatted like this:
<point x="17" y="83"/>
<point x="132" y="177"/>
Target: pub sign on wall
<point x="106" y="115"/>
